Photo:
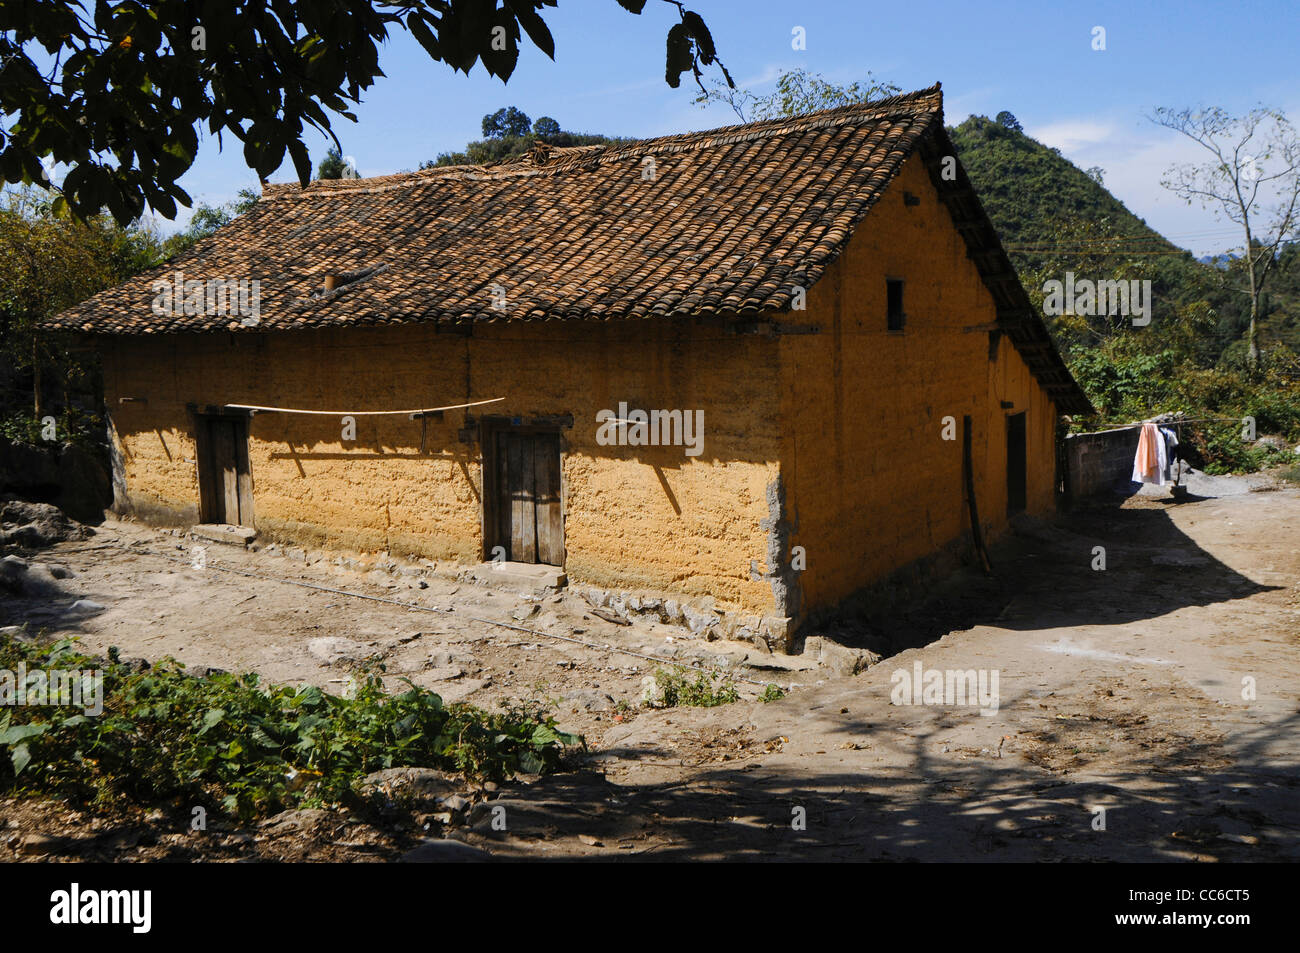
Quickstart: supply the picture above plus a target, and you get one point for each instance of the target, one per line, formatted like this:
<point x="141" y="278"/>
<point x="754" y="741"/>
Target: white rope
<point x="359" y="413"/>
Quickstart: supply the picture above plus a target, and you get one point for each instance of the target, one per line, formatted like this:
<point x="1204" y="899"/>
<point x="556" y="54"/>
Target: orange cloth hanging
<point x="1146" y="462"/>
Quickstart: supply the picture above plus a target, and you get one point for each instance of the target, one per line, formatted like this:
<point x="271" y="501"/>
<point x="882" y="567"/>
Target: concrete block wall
<point x="1101" y="461"/>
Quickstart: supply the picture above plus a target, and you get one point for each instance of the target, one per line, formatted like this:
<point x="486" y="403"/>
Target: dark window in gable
<point x="894" y="299"/>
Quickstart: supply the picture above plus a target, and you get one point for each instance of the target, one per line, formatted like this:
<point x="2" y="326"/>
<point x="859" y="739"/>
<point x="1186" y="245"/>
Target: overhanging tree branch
<point x="132" y="81"/>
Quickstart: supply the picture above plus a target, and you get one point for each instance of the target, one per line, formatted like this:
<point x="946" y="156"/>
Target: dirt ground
<point x="1163" y="689"/>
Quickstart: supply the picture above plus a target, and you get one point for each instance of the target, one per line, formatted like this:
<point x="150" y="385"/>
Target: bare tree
<point x="1253" y="179"/>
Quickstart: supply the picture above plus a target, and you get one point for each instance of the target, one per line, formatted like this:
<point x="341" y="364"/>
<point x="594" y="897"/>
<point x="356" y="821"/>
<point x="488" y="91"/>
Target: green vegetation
<point x="48" y="263"/>
<point x="332" y="166"/>
<point x="508" y="133"/>
<point x="163" y="69"/>
<point x="232" y="743"/>
<point x="1030" y="190"/>
<point x="772" y="693"/>
<point x="708" y="690"/>
<point x="1054" y="217"/>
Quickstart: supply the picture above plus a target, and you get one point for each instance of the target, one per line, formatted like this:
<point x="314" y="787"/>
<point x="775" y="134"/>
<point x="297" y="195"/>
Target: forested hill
<point x="1033" y="194"/>
<point x="1054" y="218"/>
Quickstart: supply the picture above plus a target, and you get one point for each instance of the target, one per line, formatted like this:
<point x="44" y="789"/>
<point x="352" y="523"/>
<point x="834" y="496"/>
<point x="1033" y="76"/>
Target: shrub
<point x="677" y="688"/>
<point x="250" y="748"/>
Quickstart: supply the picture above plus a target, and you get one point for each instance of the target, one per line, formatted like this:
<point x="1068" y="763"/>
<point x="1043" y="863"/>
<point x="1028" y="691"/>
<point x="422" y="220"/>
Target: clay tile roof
<point x="725" y="221"/>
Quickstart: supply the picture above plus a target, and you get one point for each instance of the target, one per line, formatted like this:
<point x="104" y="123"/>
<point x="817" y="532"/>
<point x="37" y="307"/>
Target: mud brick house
<point x="823" y="297"/>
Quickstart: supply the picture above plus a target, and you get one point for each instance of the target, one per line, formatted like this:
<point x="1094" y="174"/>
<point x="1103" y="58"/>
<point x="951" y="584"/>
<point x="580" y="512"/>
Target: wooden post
<point x="969" y="468"/>
<point x="36" y="380"/>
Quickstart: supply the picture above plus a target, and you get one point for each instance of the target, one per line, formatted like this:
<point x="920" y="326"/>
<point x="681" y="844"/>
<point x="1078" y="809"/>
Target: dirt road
<point x="1145" y="710"/>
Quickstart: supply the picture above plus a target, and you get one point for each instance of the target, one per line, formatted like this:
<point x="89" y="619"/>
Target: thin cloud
<point x="1075" y="135"/>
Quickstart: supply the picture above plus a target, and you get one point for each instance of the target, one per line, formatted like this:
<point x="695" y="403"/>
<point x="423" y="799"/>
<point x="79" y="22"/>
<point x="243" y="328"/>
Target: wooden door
<point x="1017" y="464"/>
<point x="529" y="518"/>
<point x="225" y="481"/>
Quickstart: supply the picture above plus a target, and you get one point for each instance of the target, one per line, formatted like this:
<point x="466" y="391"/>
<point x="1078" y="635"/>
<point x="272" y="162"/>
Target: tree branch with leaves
<point x="118" y="91"/>
<point x="797" y="92"/>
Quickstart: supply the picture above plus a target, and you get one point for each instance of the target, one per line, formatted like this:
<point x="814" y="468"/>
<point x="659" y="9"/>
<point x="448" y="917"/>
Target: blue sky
<point x="1032" y="58"/>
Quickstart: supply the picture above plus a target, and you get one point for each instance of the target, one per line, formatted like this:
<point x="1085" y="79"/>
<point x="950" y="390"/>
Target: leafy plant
<point x="676" y="688"/>
<point x="796" y="92"/>
<point x="246" y="747"/>
<point x="118" y="92"/>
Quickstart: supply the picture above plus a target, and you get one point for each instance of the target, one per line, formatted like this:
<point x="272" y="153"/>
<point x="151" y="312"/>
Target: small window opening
<point x="894" y="299"/>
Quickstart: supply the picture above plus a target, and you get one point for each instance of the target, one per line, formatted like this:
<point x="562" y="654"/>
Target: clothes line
<point x="1183" y="420"/>
<point x="360" y="413"/>
<point x="1157" y="457"/>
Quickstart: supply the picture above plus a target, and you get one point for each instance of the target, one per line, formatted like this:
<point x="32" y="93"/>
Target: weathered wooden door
<point x="225" y="481"/>
<point x="529" y="518"/>
<point x="1017" y="464"/>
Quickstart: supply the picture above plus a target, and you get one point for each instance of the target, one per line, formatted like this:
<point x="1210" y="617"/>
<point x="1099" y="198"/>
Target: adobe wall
<point x="1101" y="461"/>
<point x="636" y="517"/>
<point x="871" y="484"/>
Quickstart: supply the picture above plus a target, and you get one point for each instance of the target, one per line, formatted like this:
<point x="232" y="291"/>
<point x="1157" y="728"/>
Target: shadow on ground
<point x="1132" y="768"/>
<point x="1152" y="568"/>
<point x="1165" y="806"/>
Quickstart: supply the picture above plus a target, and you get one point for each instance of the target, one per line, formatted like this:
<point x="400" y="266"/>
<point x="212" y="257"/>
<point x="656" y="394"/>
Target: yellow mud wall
<point x="647" y="518"/>
<point x="871" y="485"/>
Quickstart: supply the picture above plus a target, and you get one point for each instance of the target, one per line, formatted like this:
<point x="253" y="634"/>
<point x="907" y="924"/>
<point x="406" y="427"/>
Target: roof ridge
<point x="568" y="158"/>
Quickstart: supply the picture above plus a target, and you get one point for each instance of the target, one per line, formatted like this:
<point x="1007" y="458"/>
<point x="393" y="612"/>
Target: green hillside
<point x="1054" y="217"/>
<point x="1031" y="190"/>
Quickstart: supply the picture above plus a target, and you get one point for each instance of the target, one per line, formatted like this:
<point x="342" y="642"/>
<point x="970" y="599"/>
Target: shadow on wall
<point x="294" y="439"/>
<point x="399" y="439"/>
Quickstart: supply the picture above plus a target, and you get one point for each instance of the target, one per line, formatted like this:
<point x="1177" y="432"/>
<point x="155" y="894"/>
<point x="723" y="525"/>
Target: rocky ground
<point x="1146" y="710"/>
<point x="315" y="617"/>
